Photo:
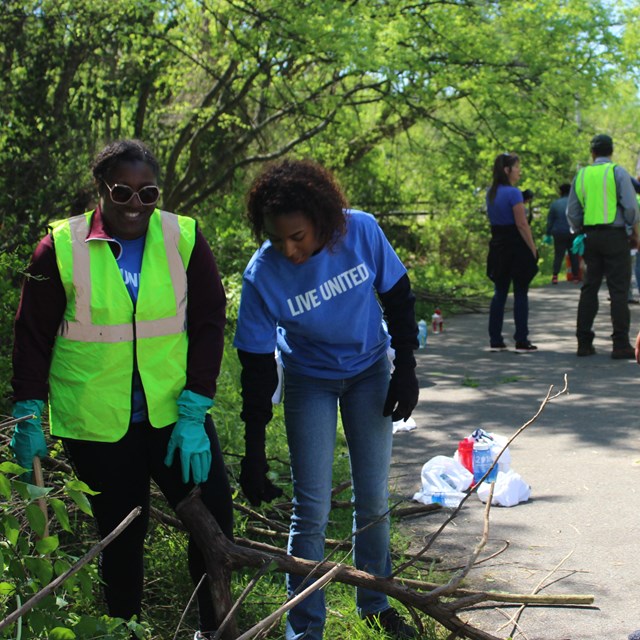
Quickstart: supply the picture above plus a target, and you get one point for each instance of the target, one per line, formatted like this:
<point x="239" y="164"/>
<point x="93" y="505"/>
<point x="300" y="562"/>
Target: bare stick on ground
<point x="52" y="586"/>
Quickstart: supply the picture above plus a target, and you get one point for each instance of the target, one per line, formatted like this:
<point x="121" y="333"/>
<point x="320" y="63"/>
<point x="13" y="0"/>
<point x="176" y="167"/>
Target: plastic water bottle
<point x="422" y="333"/>
<point x="447" y="499"/>
<point x="482" y="460"/>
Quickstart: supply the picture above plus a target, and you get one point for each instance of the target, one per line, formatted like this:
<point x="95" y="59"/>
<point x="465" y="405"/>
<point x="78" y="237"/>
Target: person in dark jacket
<point x="558" y="227"/>
<point x="121" y="329"/>
<point x="602" y="206"/>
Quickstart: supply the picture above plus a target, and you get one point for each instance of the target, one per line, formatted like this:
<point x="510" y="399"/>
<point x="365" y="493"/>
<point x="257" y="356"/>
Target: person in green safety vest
<point x="121" y="330"/>
<point x="602" y="203"/>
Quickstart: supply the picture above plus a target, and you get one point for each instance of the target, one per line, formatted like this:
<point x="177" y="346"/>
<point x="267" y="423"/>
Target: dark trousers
<point x="121" y="472"/>
<point x="561" y="245"/>
<point x="520" y="310"/>
<point x="606" y="254"/>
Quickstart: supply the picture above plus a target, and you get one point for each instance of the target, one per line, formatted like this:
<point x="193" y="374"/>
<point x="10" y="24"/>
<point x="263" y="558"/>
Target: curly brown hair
<point x="298" y="186"/>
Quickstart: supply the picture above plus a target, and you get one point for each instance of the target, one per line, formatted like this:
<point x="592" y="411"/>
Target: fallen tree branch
<point x="271" y="618"/>
<point x="455" y="512"/>
<point x="54" y="584"/>
<point x="505" y="597"/>
<point x="477" y="562"/>
<point x="243" y="596"/>
<point x="231" y="556"/>
<point x="456" y="579"/>
<point x="217" y="557"/>
<point x="414" y="510"/>
<point x="495" y="596"/>
<point x="516" y="617"/>
<point x="259" y="517"/>
<point x="186" y="609"/>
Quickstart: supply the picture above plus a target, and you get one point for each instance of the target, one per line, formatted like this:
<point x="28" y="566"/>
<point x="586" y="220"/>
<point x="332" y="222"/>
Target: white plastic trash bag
<point x="504" y="464"/>
<point x="447" y="470"/>
<point x="443" y="475"/>
<point x="404" y="425"/>
<point x="509" y="491"/>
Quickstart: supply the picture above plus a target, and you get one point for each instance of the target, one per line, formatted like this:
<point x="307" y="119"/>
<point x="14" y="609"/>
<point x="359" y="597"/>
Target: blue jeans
<point x="311" y="413"/>
<point x="520" y="311"/>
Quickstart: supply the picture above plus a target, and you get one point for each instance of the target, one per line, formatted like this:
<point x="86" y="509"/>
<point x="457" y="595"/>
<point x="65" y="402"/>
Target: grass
<point x="168" y="587"/>
<point x="343" y="622"/>
<point x="509" y="379"/>
<point x="470" y="382"/>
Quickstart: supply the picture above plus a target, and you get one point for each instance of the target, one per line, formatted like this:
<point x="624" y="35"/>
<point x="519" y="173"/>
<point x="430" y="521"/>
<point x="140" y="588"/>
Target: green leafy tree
<point x="31" y="558"/>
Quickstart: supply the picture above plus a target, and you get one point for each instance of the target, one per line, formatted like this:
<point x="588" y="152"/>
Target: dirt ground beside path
<point x="578" y="533"/>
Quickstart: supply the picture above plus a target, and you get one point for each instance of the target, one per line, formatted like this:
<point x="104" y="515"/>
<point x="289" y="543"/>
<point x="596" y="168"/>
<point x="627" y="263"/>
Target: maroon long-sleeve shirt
<point x="43" y="302"/>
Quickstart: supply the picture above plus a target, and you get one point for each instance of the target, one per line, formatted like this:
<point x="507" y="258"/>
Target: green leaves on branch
<point x="29" y="561"/>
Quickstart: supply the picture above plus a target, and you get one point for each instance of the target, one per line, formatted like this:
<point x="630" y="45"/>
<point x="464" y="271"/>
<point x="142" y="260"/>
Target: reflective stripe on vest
<point x="596" y="191"/>
<point x="82" y="330"/>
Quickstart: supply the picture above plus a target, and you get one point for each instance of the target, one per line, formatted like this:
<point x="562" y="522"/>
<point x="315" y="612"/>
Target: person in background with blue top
<point x="321" y="275"/>
<point x="512" y="254"/>
<point x="558" y="227"/>
<point x="121" y="327"/>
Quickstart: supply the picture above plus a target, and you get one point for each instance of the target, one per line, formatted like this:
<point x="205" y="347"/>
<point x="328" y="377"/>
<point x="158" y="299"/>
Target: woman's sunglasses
<point x="122" y="193"/>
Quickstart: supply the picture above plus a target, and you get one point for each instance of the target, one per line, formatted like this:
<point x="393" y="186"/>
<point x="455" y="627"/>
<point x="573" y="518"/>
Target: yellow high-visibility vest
<point x="102" y="331"/>
<point x="596" y="192"/>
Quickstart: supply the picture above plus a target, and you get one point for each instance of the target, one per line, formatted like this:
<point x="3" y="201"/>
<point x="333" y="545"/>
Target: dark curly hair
<point x="298" y="186"/>
<point x="126" y="150"/>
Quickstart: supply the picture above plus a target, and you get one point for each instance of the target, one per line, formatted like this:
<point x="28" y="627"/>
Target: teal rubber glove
<point x="28" y="440"/>
<point x="547" y="239"/>
<point x="190" y="437"/>
<point x="577" y="247"/>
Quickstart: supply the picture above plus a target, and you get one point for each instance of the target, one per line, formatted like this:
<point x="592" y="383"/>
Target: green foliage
<point x="470" y="382"/>
<point x="11" y="268"/>
<point x="30" y="560"/>
<point x="409" y="103"/>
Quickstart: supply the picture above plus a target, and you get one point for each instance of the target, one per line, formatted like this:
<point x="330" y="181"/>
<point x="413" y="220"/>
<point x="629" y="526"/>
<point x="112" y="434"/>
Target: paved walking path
<point x="579" y="532"/>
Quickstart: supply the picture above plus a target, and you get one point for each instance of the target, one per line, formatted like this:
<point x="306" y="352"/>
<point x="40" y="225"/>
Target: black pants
<point x="606" y="254"/>
<point x="561" y="245"/>
<point x="121" y="471"/>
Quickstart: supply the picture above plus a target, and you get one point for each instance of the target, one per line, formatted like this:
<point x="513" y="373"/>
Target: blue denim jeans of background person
<point x="520" y="310"/>
<point x="311" y="411"/>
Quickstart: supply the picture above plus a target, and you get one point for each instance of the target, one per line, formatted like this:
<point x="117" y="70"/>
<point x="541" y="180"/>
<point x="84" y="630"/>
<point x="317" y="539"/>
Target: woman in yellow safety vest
<point x="122" y="333"/>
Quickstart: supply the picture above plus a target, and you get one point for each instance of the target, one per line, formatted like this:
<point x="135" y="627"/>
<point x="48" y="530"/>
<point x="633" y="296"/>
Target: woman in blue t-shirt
<point x="314" y="289"/>
<point x="512" y="255"/>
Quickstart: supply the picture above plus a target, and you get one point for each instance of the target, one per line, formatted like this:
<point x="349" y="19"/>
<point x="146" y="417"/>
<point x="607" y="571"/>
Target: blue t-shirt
<point x="501" y="209"/>
<point x="130" y="265"/>
<point x="327" y="306"/>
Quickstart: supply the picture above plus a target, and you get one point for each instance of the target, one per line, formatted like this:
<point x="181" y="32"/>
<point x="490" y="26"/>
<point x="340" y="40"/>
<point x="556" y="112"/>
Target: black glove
<point x="254" y="481"/>
<point x="402" y="396"/>
<point x="253" y="467"/>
